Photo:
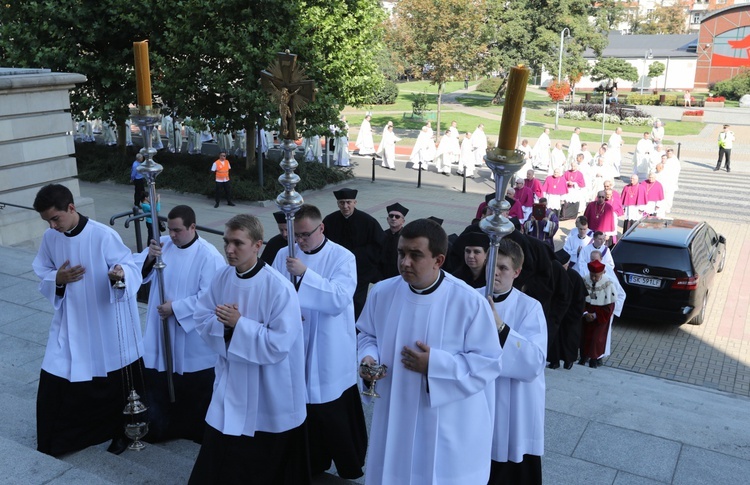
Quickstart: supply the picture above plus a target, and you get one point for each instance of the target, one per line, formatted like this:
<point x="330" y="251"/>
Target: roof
<point x="725" y="10"/>
<point x="667" y="232"/>
<point x="635" y="46"/>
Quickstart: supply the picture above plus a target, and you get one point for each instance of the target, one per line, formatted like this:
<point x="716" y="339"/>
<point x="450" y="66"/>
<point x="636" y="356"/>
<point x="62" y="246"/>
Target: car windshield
<point x="627" y="252"/>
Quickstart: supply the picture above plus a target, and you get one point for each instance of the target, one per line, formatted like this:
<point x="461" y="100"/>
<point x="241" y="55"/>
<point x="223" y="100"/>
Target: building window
<point x="696" y="18"/>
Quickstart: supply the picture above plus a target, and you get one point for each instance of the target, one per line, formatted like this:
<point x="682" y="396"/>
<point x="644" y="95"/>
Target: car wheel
<point x="701" y="316"/>
<point x="723" y="260"/>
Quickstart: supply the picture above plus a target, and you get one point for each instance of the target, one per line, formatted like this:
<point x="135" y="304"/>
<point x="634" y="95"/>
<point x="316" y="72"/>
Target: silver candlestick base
<point x="503" y="163"/>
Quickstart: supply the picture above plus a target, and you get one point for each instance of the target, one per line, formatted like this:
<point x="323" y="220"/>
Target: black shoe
<point x="446" y="174"/>
<point x="716" y="169"/>
<point x="554" y="365"/>
<point x="583" y="361"/>
<point x="593" y="364"/>
<point x="394" y="168"/>
<point x="728" y="170"/>
<point x="216" y="205"/>
<point x="568" y="365"/>
<point x="231" y="204"/>
<point x="118" y="445"/>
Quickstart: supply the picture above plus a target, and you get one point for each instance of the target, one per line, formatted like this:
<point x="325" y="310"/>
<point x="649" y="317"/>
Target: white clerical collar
<point x="505" y="294"/>
<point x="430" y="288"/>
<point x="246" y="272"/>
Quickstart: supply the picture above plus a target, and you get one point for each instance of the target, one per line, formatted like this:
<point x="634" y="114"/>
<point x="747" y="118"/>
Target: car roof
<point x="667" y="232"/>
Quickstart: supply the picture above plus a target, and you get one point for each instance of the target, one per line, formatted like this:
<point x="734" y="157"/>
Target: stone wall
<point x="36" y="147"/>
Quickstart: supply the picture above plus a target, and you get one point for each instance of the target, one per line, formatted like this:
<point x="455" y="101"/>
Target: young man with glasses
<point x="395" y="219"/>
<point x="326" y="276"/>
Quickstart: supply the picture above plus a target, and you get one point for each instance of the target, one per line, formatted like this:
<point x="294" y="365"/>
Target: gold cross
<point x="285" y="81"/>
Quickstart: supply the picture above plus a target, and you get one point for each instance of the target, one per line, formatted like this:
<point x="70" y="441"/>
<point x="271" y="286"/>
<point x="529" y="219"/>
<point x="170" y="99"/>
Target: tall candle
<point x="514" y="94"/>
<point x="142" y="73"/>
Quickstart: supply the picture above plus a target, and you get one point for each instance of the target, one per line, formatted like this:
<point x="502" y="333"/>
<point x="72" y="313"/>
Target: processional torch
<point x="146" y="117"/>
<point x="284" y="80"/>
<point x="504" y="161"/>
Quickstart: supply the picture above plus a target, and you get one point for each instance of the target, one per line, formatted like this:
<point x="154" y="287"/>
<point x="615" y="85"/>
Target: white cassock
<point x="444" y="158"/>
<point x="614" y="152"/>
<point x="455" y="145"/>
<point x="388" y="149"/>
<point x="574" y="147"/>
<point x="156" y="138"/>
<point x="466" y="160"/>
<point x="260" y="373"/>
<point x="128" y="133"/>
<point x="177" y="136"/>
<point x="240" y="142"/>
<point x="520" y="389"/>
<point x="84" y="341"/>
<point x="601" y="173"/>
<point x="584" y="258"/>
<point x="341" y="147"/>
<point x="313" y="149"/>
<point x="168" y="124"/>
<point x="657" y="135"/>
<point x="430" y="149"/>
<point x="642" y="158"/>
<point x="225" y="141"/>
<point x="325" y="295"/>
<point x="574" y="244"/>
<point x="187" y="277"/>
<point x="556" y="161"/>
<point x="444" y="435"/>
<point x="109" y="133"/>
<point x="669" y="178"/>
<point x="365" y="143"/>
<point x="588" y="159"/>
<point x="479" y="142"/>
<point x="422" y="150"/>
<point x="541" y="152"/>
<point x="527" y="165"/>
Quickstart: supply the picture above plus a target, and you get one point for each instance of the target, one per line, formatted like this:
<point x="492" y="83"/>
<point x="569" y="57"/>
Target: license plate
<point x="643" y="281"/>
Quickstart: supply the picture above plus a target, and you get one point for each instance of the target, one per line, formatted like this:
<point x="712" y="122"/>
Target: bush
<point x="716" y="99"/>
<point x="697" y="112"/>
<point x="608" y="118"/>
<point x="576" y="115"/>
<point x="593" y="109"/>
<point x="635" y="121"/>
<point x="192" y="173"/>
<point x="735" y="87"/>
<point x="490" y="85"/>
<point x="642" y="99"/>
<point x="419" y="105"/>
<point x="387" y="94"/>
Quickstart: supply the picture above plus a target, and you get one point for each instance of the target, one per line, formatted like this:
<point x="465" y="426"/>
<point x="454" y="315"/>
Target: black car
<point x="666" y="267"/>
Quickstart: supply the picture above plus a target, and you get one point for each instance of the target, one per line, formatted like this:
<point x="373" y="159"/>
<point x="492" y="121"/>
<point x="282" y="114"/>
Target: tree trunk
<point x="250" y="134"/>
<point x="439" y="106"/>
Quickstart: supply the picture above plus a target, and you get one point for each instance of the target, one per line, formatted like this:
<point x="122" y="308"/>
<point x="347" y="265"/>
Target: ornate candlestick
<point x="290" y="200"/>
<point x="146" y="117"/>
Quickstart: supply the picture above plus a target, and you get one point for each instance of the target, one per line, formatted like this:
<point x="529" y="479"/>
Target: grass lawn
<point x="429" y="88"/>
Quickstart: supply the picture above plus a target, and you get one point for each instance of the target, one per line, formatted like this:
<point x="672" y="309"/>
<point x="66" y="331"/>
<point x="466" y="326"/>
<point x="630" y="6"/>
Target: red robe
<point x="653" y="191"/>
<point x="616" y="203"/>
<point x="555" y="185"/>
<point x="633" y="195"/>
<point x="600" y="301"/>
<point x="575" y="176"/>
<point x="600" y="217"/>
<point x="535" y="186"/>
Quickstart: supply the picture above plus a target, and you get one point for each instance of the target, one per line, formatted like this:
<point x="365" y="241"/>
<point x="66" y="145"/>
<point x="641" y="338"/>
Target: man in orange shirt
<point x="221" y="167"/>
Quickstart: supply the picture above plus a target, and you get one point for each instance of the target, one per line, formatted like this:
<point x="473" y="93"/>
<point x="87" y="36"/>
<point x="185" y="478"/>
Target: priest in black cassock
<point x="565" y="346"/>
<point x="396" y="220"/>
<point x="277" y="242"/>
<point x="361" y="234"/>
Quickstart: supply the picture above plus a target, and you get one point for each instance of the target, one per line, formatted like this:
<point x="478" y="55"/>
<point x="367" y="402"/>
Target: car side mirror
<point x="722" y="240"/>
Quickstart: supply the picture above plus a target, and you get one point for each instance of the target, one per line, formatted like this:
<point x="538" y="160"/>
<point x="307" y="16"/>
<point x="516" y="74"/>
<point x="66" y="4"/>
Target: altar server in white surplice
<point x="95" y="331"/>
<point x="326" y="279"/>
<point x="250" y="316"/>
<point x="191" y="263"/>
<point x="518" y="442"/>
<point x="433" y="422"/>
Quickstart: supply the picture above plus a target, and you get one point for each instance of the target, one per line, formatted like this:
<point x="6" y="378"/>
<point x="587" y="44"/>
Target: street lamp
<point x="559" y="72"/>
<point x="648" y="55"/>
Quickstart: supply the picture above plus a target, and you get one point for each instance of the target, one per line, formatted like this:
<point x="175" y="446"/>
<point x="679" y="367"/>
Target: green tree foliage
<point x="735" y="87"/>
<point x="438" y="40"/>
<point x="528" y="32"/>
<point x="656" y="69"/>
<point x="609" y="14"/>
<point x="612" y="69"/>
<point x="671" y="19"/>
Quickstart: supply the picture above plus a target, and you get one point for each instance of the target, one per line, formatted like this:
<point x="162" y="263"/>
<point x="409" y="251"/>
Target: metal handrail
<point x="3" y="204"/>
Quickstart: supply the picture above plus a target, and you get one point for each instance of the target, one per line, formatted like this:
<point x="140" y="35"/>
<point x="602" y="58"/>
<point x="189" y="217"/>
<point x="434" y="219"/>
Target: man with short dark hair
<point x="95" y="335"/>
<point x="726" y="139"/>
<point x="326" y="276"/>
<point x="191" y="263"/>
<point x="250" y="316"/>
<point x="438" y="339"/>
<point x="361" y="234"/>
<point x="396" y="219"/>
<point x="277" y="242"/>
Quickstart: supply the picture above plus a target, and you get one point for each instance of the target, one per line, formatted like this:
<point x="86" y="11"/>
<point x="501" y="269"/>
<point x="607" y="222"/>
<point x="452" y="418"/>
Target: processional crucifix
<point x="291" y="91"/>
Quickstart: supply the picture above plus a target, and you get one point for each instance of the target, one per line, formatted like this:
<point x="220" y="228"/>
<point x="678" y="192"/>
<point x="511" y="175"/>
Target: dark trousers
<point x="139" y="188"/>
<point x="724" y="152"/>
<point x="227" y="191"/>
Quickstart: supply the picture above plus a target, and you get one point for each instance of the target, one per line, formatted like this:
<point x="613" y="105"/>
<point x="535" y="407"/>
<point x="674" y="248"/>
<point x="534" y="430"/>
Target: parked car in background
<point x="667" y="267"/>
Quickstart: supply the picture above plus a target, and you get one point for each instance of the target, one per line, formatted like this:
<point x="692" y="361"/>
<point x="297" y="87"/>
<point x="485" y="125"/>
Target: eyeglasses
<point x="305" y="235"/>
<point x="394" y="216"/>
<point x="600" y="197"/>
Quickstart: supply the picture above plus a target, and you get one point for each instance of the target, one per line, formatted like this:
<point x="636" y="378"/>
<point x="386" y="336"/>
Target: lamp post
<point x="648" y="55"/>
<point x="559" y="71"/>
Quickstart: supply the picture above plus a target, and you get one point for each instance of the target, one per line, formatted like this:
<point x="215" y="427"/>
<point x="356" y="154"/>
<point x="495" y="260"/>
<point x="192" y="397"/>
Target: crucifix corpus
<point x="285" y="81"/>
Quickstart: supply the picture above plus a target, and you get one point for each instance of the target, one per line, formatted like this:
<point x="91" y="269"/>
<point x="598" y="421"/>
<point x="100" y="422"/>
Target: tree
<point x="609" y="14"/>
<point x="528" y="32"/>
<point x="438" y="39"/>
<point x="613" y="69"/>
<point x="92" y="38"/>
<point x="672" y="19"/>
<point x="656" y="69"/>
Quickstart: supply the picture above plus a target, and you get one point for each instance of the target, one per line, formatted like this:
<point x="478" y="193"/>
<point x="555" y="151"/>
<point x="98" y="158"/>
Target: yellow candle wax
<point x="142" y="73"/>
<point x="514" y="94"/>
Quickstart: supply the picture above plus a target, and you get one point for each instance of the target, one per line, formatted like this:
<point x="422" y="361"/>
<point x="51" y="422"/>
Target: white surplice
<point x="95" y="328"/>
<point x="187" y="276"/>
<point x="325" y="296"/>
<point x="434" y="428"/>
<point x="260" y="374"/>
